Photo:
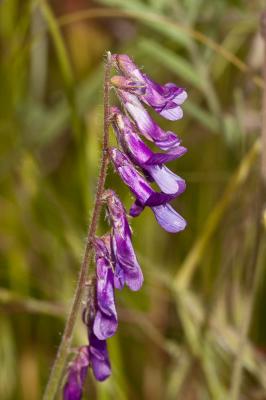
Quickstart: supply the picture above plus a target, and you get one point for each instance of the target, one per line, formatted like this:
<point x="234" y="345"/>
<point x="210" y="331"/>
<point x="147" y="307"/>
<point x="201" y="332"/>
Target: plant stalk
<point x="63" y="349"/>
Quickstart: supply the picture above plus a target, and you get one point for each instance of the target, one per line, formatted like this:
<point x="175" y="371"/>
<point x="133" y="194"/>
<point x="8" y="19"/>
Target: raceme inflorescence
<point x="138" y="166"/>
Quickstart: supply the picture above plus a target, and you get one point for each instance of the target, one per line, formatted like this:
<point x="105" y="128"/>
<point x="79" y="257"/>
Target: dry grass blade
<point x="189" y="265"/>
<point x="152" y="17"/>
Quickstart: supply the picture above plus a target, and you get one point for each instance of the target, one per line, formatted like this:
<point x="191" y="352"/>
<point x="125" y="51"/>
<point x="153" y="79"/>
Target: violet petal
<point x="99" y="357"/>
<point x="127" y="269"/>
<point x="168" y="218"/>
<point x="77" y="373"/>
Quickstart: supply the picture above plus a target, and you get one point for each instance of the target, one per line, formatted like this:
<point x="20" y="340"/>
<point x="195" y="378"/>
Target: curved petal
<point x="167" y="181"/>
<point x="162" y="158"/>
<point x="136" y="209"/>
<point x="127" y="261"/>
<point x="104" y="326"/>
<point x="136" y="149"/>
<point x="77" y="373"/>
<point x="99" y="357"/>
<point x="127" y="269"/>
<point x="105" y="323"/>
<point x="166" y="140"/>
<point x="168" y="218"/>
<point x="136" y="183"/>
<point x="164" y="99"/>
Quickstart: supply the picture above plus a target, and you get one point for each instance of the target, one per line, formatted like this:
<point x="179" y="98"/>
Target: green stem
<point x="63" y="350"/>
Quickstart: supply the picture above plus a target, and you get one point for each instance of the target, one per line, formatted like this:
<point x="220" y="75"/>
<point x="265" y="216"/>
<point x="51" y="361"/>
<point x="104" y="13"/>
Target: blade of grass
<point x="188" y="267"/>
<point x="164" y="23"/>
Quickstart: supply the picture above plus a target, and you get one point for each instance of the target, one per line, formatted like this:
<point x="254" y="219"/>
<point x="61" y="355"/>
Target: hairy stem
<point x="63" y="349"/>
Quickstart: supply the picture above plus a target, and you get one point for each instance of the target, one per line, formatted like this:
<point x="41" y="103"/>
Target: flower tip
<point x="169" y="219"/>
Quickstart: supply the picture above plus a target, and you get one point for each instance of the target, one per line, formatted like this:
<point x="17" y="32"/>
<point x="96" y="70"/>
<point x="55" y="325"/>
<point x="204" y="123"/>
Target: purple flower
<point x="105" y="323"/>
<point x="150" y="162"/>
<point x="145" y="195"/>
<point x="127" y="269"/>
<point x="164" y="99"/>
<point x="165" y="140"/>
<point x="99" y="358"/>
<point x="77" y="373"/>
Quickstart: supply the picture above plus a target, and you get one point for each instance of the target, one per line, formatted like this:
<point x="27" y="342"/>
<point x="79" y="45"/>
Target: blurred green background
<point x="197" y="329"/>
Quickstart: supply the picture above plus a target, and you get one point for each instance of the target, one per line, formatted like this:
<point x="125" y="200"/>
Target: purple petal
<point x="136" y="209"/>
<point x="105" y="323"/>
<point x="136" y="149"/>
<point x="148" y="128"/>
<point x="162" y="158"/>
<point x="104" y="326"/>
<point x="127" y="261"/>
<point x="99" y="358"/>
<point x="168" y="218"/>
<point x="136" y="183"/>
<point x="165" y="99"/>
<point x="119" y="277"/>
<point x="127" y="269"/>
<point x="128" y="173"/>
<point x="167" y="181"/>
<point x="77" y="375"/>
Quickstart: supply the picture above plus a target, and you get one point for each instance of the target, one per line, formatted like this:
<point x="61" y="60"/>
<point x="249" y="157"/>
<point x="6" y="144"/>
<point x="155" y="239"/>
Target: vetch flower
<point x="140" y="154"/>
<point x="99" y="358"/>
<point x="105" y="323"/>
<point x="127" y="269"/>
<point x="77" y="373"/>
<point x="145" y="195"/>
<point x="165" y="140"/>
<point x="164" y="99"/>
<point x="137" y="165"/>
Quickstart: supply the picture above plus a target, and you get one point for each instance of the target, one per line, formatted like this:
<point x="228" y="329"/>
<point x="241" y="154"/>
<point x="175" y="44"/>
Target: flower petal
<point x="136" y="209"/>
<point x="127" y="261"/>
<point x="168" y="218"/>
<point x="127" y="269"/>
<point x="136" y="183"/>
<point x="136" y="149"/>
<point x="167" y="181"/>
<point x="105" y="323"/>
<point x="165" y="99"/>
<point x="99" y="358"/>
<point x="128" y="173"/>
<point x="166" y="140"/>
<point x="77" y="373"/>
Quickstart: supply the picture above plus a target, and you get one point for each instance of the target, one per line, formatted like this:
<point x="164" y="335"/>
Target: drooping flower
<point x="139" y="153"/>
<point x="127" y="269"/>
<point x="164" y="99"/>
<point x="99" y="358"/>
<point x="105" y="323"/>
<point x="165" y="140"/>
<point x="145" y="195"/>
<point x="77" y="373"/>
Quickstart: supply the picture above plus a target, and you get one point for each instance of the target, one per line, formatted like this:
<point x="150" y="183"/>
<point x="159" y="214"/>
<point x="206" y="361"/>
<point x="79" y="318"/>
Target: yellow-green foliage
<point x="197" y="330"/>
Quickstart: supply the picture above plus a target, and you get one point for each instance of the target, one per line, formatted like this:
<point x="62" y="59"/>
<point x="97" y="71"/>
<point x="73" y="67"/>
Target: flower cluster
<point x="138" y="166"/>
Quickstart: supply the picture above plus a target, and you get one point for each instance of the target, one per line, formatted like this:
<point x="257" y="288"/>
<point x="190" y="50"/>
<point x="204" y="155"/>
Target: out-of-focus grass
<point x="180" y="336"/>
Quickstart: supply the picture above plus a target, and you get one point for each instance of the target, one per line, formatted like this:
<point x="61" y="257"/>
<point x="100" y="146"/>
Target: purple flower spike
<point x="105" y="323"/>
<point x="150" y="162"/>
<point x="77" y="374"/>
<point x="165" y="140"/>
<point x="127" y="269"/>
<point x="164" y="99"/>
<point x="99" y="358"/>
